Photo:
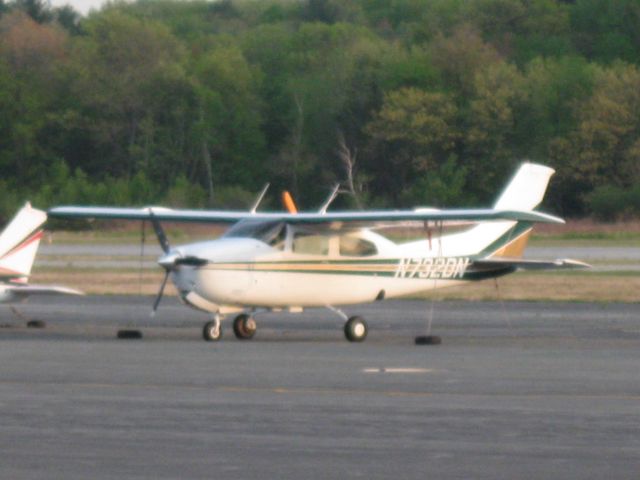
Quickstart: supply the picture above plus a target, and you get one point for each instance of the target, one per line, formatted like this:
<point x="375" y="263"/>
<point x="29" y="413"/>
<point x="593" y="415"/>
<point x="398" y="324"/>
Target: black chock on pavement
<point x="428" y="340"/>
<point x="129" y="334"/>
<point x="36" y="324"/>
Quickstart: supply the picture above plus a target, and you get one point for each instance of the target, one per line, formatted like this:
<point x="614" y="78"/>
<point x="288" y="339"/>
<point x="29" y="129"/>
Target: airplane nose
<point x="175" y="258"/>
<point x="169" y="260"/>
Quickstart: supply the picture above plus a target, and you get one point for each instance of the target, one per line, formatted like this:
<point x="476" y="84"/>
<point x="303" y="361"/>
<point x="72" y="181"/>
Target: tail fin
<point x="19" y="242"/>
<point x="525" y="191"/>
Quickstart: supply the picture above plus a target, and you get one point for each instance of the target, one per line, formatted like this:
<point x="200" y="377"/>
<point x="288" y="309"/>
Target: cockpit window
<point x="271" y="233"/>
<point x="356" y="247"/>
<point x="310" y="244"/>
<point x="279" y="240"/>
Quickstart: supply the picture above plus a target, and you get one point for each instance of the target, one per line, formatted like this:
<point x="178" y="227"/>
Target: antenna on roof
<point x="259" y="199"/>
<point x="331" y="198"/>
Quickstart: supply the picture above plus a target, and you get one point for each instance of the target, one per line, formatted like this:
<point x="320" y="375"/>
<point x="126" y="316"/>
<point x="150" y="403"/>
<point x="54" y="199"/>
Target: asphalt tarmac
<point x="515" y="391"/>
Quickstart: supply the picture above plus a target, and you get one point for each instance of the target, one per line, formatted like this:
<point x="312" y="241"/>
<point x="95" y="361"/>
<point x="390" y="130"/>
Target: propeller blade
<point x="160" y="293"/>
<point x="162" y="238"/>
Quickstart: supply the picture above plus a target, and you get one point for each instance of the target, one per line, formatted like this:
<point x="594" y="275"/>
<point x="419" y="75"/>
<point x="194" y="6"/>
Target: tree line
<point x="403" y="102"/>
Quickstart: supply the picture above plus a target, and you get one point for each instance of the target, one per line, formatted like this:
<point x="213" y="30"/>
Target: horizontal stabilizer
<point x="523" y="264"/>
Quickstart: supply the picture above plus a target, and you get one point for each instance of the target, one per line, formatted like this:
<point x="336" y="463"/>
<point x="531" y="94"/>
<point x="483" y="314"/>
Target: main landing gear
<point x="355" y="329"/>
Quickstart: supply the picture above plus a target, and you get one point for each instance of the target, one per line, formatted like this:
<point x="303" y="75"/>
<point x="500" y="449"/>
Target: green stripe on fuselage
<point x="514" y="232"/>
<point x="428" y="268"/>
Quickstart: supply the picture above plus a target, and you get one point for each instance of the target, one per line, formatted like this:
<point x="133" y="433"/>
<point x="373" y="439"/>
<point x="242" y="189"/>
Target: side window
<point x="356" y="247"/>
<point x="310" y="244"/>
<point x="278" y="240"/>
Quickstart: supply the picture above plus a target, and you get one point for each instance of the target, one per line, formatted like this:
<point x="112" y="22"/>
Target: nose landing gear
<point x="212" y="331"/>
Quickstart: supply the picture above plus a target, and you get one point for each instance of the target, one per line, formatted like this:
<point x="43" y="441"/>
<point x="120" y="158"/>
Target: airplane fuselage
<point x="245" y="272"/>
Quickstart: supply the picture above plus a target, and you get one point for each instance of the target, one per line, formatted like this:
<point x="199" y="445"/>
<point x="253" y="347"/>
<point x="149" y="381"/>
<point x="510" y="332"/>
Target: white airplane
<point x="278" y="260"/>
<point x="19" y="243"/>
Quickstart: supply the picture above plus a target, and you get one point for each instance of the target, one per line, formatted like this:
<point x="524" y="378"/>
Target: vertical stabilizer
<point x="19" y="242"/>
<point x="526" y="189"/>
<point x="524" y="192"/>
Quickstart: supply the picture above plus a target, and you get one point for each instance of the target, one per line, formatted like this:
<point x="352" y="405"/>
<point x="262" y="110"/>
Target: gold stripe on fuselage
<point x="514" y="248"/>
<point x="311" y="266"/>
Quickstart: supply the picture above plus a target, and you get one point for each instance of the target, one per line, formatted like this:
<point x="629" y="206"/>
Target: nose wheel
<point x="244" y="327"/>
<point x="212" y="331"/>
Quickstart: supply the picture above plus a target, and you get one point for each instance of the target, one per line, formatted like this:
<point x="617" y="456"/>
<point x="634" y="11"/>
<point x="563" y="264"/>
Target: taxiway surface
<point x="516" y="390"/>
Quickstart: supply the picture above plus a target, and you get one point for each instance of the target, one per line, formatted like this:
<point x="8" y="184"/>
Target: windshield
<point x="271" y="233"/>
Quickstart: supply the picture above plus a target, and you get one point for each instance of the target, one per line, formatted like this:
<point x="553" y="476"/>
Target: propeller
<point x="165" y="262"/>
<point x="170" y="260"/>
<point x="160" y="293"/>
<point x="162" y="238"/>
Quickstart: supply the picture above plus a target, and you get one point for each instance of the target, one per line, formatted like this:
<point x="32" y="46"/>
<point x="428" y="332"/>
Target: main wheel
<point x="355" y="329"/>
<point x="212" y="331"/>
<point x="244" y="326"/>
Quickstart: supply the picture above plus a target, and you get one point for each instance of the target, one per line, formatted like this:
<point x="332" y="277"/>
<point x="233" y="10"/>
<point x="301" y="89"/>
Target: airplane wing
<point x="26" y="290"/>
<point x="333" y="220"/>
<point x="524" y="264"/>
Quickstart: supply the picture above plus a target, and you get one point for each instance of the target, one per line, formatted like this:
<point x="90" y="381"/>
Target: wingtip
<point x="575" y="263"/>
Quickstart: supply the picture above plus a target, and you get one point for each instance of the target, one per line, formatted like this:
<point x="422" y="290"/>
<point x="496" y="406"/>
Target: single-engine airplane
<point x="19" y="243"/>
<point x="278" y="260"/>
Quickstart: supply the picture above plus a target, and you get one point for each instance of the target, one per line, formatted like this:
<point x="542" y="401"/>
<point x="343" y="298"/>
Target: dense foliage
<point x="404" y="102"/>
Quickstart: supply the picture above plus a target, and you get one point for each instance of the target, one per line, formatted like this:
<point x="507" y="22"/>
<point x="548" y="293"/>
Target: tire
<point x="244" y="327"/>
<point x="356" y="329"/>
<point x="212" y="331"/>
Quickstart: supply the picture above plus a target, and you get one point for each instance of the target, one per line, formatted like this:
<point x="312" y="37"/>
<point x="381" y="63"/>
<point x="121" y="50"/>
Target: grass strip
<point x="572" y="286"/>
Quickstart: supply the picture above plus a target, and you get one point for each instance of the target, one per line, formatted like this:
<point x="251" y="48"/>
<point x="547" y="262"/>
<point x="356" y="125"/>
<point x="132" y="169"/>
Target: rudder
<point x="19" y="242"/>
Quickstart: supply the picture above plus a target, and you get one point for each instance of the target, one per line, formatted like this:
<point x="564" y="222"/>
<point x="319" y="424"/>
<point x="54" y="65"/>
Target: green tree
<point x="489" y="149"/>
<point x="229" y="119"/>
<point x="607" y="138"/>
<point x="414" y="132"/>
<point x="127" y="73"/>
<point x="459" y="57"/>
<point x="553" y="89"/>
<point x="606" y="30"/>
<point x="68" y="18"/>
<point x="38" y="10"/>
<point x="29" y="57"/>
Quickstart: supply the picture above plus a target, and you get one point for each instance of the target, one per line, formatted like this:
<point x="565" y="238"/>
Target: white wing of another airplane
<point x="28" y="289"/>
